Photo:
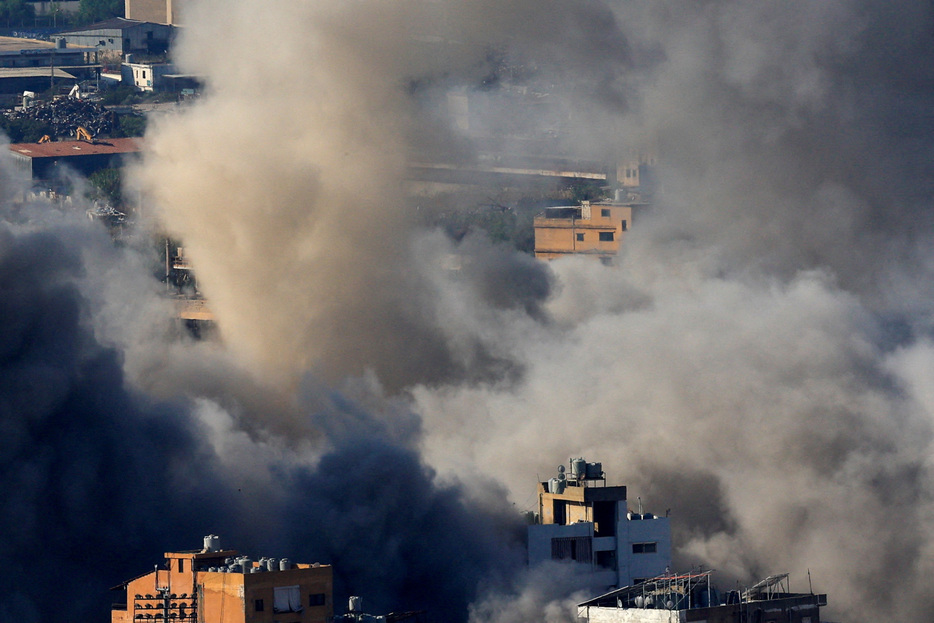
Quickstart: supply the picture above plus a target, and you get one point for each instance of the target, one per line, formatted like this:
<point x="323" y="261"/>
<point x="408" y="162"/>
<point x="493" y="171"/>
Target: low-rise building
<point x="691" y="597"/>
<point x="588" y="229"/>
<point x="146" y="76"/>
<point x="581" y="521"/>
<point x="118" y="36"/>
<point x="44" y="161"/>
<point x="212" y="585"/>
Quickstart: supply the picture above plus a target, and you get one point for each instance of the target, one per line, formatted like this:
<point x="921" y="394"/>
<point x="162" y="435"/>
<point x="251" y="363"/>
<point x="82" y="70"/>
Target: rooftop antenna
<point x="810" y="588"/>
<point x="640" y="504"/>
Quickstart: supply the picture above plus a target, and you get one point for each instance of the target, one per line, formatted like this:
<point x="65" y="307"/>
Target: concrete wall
<point x="643" y="566"/>
<point x="594" y="614"/>
<point x="156" y="11"/>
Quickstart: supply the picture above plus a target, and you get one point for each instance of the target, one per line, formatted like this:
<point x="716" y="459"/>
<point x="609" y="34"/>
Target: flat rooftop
<point x="14" y="45"/>
<point x="66" y="149"/>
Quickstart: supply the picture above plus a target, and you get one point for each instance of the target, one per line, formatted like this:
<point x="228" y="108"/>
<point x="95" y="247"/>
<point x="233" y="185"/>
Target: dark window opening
<point x="560" y="512"/>
<point x="580" y="237"/>
<point x="644" y="548"/>
<point x="316" y="599"/>
<point x="258" y="605"/>
<point x="578" y="548"/>
<point x="181" y="566"/>
<point x="604" y="212"/>
<point x="606" y="236"/>
<point x="604" y="518"/>
<point x="606" y="560"/>
<point x="625" y="225"/>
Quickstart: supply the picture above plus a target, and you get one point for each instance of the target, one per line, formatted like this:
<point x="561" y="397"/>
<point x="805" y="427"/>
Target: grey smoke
<point x="760" y="361"/>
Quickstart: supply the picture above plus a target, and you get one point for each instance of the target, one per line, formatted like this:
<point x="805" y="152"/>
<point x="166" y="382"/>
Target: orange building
<point x="590" y="229"/>
<point x="212" y="585"/>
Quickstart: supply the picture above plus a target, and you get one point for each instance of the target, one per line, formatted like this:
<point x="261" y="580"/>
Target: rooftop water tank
<point x="594" y="470"/>
<point x="355" y="604"/>
<point x="285" y="564"/>
<point x="212" y="543"/>
<point x="578" y="468"/>
<point x="271" y="564"/>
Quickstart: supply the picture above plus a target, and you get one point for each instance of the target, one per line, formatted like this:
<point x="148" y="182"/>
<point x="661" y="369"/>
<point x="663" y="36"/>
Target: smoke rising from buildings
<point x="759" y="362"/>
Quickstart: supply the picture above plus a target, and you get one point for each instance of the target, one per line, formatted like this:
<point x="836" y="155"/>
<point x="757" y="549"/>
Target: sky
<point x="758" y="361"/>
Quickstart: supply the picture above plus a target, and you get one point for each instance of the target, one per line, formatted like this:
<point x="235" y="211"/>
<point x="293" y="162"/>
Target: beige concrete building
<point x="157" y="11"/>
<point x="212" y="585"/>
<point x="589" y="229"/>
<point x="583" y="520"/>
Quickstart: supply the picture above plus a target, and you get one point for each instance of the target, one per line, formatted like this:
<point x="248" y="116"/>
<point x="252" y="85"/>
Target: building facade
<point x="583" y="522"/>
<point x="158" y="11"/>
<point x="212" y="585"/>
<point x="115" y="37"/>
<point x="146" y="76"/>
<point x="45" y="161"/>
<point x="589" y="229"/>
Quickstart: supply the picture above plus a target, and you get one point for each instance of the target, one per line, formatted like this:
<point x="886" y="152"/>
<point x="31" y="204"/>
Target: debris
<point x="66" y="115"/>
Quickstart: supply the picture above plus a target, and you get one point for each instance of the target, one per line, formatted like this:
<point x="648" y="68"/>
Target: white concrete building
<point x="581" y="519"/>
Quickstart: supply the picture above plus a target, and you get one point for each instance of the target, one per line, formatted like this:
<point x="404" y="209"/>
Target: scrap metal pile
<point x="65" y="115"/>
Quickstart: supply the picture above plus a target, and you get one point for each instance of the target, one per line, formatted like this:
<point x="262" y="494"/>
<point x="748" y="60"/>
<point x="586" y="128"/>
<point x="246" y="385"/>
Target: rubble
<point x="65" y="115"/>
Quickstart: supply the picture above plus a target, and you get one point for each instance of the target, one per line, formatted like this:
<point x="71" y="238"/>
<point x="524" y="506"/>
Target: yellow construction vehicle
<point x="82" y="134"/>
<point x="45" y="139"/>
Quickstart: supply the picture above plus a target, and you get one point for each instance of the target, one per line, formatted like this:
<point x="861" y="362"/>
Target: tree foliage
<point x="16" y="12"/>
<point x="106" y="185"/>
<point x="129" y="125"/>
<point x="24" y="130"/>
<point x="90" y="11"/>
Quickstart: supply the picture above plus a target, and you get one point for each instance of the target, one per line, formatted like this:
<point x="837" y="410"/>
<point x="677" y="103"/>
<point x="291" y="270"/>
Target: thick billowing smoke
<point x="760" y="361"/>
<point x="99" y="480"/>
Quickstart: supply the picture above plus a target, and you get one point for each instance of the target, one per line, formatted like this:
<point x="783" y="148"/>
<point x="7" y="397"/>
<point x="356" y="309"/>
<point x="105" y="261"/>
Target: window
<point x="181" y="565"/>
<point x="287" y="599"/>
<point x="572" y="548"/>
<point x="604" y="212"/>
<point x="258" y="605"/>
<point x="580" y="237"/>
<point x="644" y="548"/>
<point x="625" y="226"/>
<point x="316" y="599"/>
<point x="606" y="236"/>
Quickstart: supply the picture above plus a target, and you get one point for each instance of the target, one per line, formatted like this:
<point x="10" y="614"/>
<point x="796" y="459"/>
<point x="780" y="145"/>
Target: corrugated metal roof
<point x="115" y="23"/>
<point x="66" y="149"/>
<point x="32" y="72"/>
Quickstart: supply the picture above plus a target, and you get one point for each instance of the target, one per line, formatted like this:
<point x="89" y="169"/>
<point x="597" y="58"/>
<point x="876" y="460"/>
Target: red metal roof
<point x="66" y="149"/>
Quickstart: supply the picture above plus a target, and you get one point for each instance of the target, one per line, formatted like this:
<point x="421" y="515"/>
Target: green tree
<point x="129" y="125"/>
<point x="106" y="185"/>
<point x="90" y="11"/>
<point x="24" y="130"/>
<point x="16" y="12"/>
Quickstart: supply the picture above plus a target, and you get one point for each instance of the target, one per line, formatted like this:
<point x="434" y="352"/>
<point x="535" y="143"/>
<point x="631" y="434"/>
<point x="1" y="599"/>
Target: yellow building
<point x="590" y="229"/>
<point x="212" y="585"/>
